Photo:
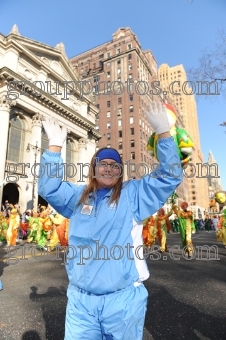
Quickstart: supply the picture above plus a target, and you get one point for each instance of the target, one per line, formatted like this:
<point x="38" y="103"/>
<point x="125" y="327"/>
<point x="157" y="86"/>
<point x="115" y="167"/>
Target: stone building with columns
<point x="34" y="80"/>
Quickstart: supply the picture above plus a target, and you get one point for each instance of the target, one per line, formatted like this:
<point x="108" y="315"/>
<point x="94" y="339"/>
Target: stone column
<point x="34" y="157"/>
<point x="5" y="106"/>
<point x="82" y="170"/>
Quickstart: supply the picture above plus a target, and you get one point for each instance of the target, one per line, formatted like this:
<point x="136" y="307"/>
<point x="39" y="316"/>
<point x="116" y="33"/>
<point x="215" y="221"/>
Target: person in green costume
<point x="222" y="228"/>
<point x="186" y="227"/>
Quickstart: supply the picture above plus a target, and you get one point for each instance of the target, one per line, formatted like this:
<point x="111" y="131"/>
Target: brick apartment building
<point x="118" y="72"/>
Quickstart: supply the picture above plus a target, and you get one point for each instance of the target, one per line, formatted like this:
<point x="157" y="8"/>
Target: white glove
<point x="158" y="117"/>
<point x="55" y="133"/>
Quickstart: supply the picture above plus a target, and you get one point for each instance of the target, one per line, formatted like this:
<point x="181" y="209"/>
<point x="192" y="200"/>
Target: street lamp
<point x="36" y="151"/>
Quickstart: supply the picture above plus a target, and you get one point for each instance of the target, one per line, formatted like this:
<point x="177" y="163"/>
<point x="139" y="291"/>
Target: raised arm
<point x="62" y="196"/>
<point x="149" y="194"/>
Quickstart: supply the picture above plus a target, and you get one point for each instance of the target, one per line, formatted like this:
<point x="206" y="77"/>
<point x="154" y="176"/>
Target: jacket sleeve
<point x="62" y="196"/>
<point x="148" y="194"/>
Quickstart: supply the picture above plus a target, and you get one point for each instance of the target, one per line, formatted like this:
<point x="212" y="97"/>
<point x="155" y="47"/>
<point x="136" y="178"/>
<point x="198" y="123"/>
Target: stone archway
<point x="10" y="193"/>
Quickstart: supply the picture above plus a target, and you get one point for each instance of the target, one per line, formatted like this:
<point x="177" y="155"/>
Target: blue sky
<point x="176" y="31"/>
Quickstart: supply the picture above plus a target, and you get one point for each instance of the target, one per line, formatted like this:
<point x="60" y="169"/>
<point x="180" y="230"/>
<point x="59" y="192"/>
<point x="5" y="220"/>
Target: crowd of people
<point x="45" y="226"/>
<point x="180" y="220"/>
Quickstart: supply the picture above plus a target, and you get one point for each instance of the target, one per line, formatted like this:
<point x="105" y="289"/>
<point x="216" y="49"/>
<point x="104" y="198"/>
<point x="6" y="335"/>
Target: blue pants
<point x="116" y="316"/>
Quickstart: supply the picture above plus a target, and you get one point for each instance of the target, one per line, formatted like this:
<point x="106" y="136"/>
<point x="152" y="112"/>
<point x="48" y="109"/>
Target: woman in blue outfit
<point x="106" y="266"/>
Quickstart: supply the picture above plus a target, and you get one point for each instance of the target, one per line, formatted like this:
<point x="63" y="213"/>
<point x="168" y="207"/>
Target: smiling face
<point x="107" y="173"/>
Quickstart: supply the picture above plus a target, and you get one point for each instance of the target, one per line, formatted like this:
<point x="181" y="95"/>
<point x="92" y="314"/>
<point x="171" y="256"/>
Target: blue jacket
<point x="106" y="246"/>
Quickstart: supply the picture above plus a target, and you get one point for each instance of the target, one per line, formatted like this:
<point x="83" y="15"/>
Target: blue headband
<point x="108" y="154"/>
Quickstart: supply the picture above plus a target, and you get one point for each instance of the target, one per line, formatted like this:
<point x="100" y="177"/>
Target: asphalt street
<point x="187" y="298"/>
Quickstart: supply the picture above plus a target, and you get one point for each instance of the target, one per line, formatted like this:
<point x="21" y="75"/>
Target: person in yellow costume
<point x="54" y="240"/>
<point x="222" y="228"/>
<point x="149" y="232"/>
<point x="163" y="226"/>
<point x="186" y="225"/>
<point x="45" y="227"/>
<point x="12" y="231"/>
<point x="3" y="227"/>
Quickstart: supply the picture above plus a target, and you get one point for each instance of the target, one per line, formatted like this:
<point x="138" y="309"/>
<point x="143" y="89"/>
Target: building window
<point x="100" y="63"/>
<point x="95" y="79"/>
<point x="120" y="134"/>
<point x="118" y="50"/>
<point x="129" y="56"/>
<point x="101" y="56"/>
<point x="130" y="67"/>
<point x="109" y="145"/>
<point x="120" y="146"/>
<point x="95" y="89"/>
<point x="16" y="140"/>
<point x="131" y="108"/>
<point x="108" y="103"/>
<point x="108" y="74"/>
<point x="108" y="136"/>
<point x="132" y="131"/>
<point x="119" y="112"/>
<point x="129" y="46"/>
<point x="132" y="155"/>
<point x="108" y="64"/>
<point x="131" y="97"/>
<point x="130" y="76"/>
<point x="131" y="120"/>
<point x="108" y="125"/>
<point x="119" y="70"/>
<point x="119" y="122"/>
<point x="108" y="114"/>
<point x="133" y="167"/>
<point x="132" y="143"/>
<point x="119" y="61"/>
<point x="108" y="55"/>
<point x="119" y="100"/>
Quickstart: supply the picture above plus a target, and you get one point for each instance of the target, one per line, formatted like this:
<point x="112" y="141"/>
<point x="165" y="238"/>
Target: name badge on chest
<point x="86" y="209"/>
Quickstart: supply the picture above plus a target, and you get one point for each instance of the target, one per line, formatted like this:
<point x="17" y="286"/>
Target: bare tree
<point x="212" y="66"/>
<point x="212" y="63"/>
